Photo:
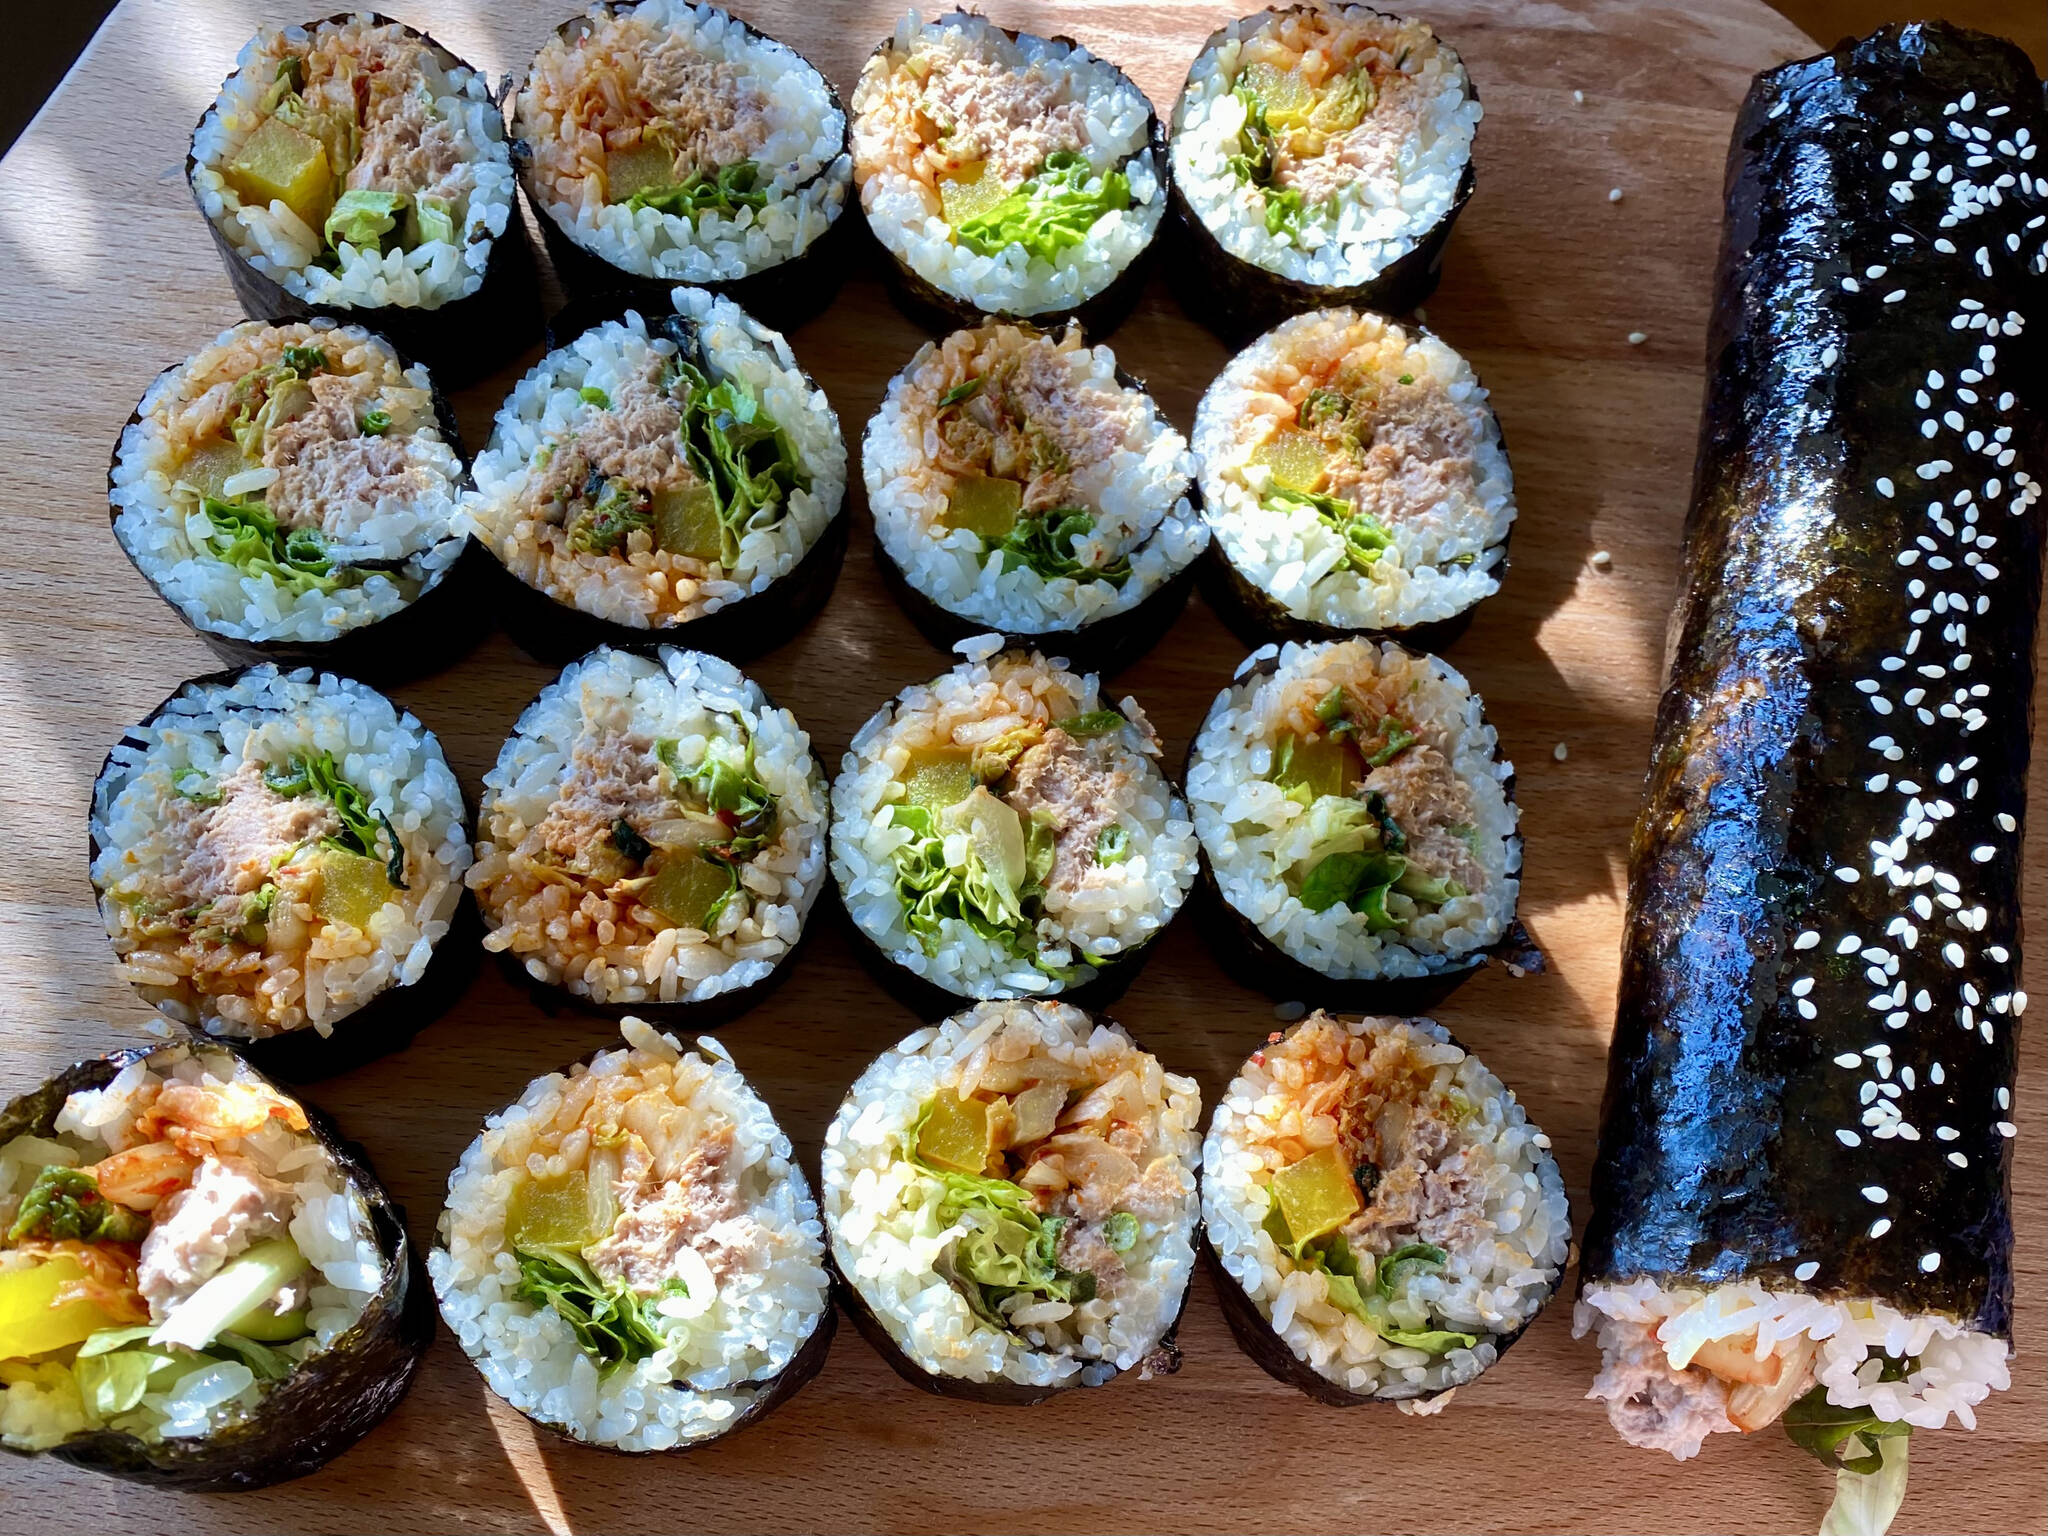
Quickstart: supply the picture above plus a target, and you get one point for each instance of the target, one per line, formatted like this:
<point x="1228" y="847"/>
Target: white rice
<point x="278" y="244"/>
<point x="1378" y="220"/>
<point x="715" y="1363"/>
<point x="163" y="529"/>
<point x="1454" y="512"/>
<point x="330" y="1224"/>
<point x="882" y="1211"/>
<point x="688" y="696"/>
<point x="1491" y="1287"/>
<point x="1137" y="494"/>
<point x="986" y="695"/>
<point x="268" y="716"/>
<point x="1252" y="833"/>
<point x="546" y="405"/>
<point x="905" y="212"/>
<point x="804" y="167"/>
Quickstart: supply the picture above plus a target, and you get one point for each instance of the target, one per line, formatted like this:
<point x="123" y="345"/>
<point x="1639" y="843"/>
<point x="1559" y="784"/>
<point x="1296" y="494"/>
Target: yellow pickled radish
<point x="1297" y="459"/>
<point x="641" y="167"/>
<point x="1326" y="765"/>
<point x="955" y="1134"/>
<point x="968" y="191"/>
<point x="685" y="889"/>
<point x="31" y="1321"/>
<point x="353" y="889"/>
<point x="986" y="505"/>
<point x="279" y="163"/>
<point x="1316" y="1195"/>
<point x="1286" y="96"/>
<point x="208" y="467"/>
<point x="940" y="778"/>
<point x="550" y="1213"/>
<point x="686" y="522"/>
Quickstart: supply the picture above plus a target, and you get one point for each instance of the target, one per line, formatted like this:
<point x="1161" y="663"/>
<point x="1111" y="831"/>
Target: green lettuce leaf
<point x="1050" y="212"/>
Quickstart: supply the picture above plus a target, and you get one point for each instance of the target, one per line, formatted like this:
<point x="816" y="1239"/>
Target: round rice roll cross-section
<point x="1385" y="1218"/>
<point x="201" y="1285"/>
<point x="677" y="477"/>
<point x="354" y="167"/>
<point x="665" y="142"/>
<point x="1356" y="819"/>
<point x="1320" y="156"/>
<point x="1011" y="1201"/>
<point x="1006" y="174"/>
<point x="291" y="491"/>
<point x="1002" y="831"/>
<point x="1354" y="476"/>
<point x="630" y="1252"/>
<point x="652" y="837"/>
<point x="1020" y="483"/>
<point x="278" y="859"/>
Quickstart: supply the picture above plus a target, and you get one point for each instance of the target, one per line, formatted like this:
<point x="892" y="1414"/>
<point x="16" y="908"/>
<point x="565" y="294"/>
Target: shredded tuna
<point x="235" y="845"/>
<point x="406" y="146"/>
<point x="710" y="113"/>
<point x="1082" y="1248"/>
<point x="1649" y="1403"/>
<point x="1078" y="791"/>
<point x="697" y="1208"/>
<point x="949" y="108"/>
<point x="636" y="440"/>
<point x="1430" y="803"/>
<point x="613" y="776"/>
<point x="228" y="1207"/>
<point x="329" y="474"/>
<point x="1402" y="449"/>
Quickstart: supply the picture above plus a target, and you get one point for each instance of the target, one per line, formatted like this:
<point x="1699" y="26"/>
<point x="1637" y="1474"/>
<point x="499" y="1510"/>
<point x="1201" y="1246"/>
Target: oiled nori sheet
<point x="325" y="1405"/>
<point x="1825" y="521"/>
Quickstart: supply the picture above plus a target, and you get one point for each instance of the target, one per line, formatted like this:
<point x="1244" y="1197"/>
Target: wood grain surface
<point x="106" y="275"/>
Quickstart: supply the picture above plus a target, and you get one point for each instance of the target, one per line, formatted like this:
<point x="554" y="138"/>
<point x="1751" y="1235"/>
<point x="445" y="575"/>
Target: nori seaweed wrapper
<point x="1819" y="986"/>
<point x="462" y="340"/>
<point x="326" y="1404"/>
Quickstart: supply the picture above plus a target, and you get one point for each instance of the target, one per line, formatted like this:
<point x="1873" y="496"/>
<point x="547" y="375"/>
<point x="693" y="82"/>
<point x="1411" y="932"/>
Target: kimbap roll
<point x="652" y="838"/>
<point x="663" y="142"/>
<point x="357" y="169"/>
<point x="1385" y="1219"/>
<point x="1010" y="1199"/>
<point x="201" y="1285"/>
<point x="1001" y="831"/>
<point x="278" y="858"/>
<point x="1020" y="483"/>
<point x="291" y="491"/>
<point x="1007" y="175"/>
<point x="676" y="478"/>
<point x="1354" y="477"/>
<point x="1358" y="827"/>
<point x="1320" y="156"/>
<point x="631" y="1254"/>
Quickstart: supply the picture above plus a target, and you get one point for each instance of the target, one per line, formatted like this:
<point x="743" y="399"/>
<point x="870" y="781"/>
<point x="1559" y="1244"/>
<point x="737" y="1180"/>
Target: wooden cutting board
<point x="107" y="275"/>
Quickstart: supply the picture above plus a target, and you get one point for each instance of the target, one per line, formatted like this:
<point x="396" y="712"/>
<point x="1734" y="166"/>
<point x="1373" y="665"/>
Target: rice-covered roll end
<point x="1321" y="154"/>
<point x="631" y="1254"/>
<point x="1384" y="1218"/>
<point x="652" y="837"/>
<point x="1357" y="825"/>
<point x="1006" y="175"/>
<point x="201" y="1285"/>
<point x="278" y="858"/>
<point x="1011" y="1201"/>
<point x="1003" y="831"/>
<point x="1355" y="479"/>
<point x="355" y="168"/>
<point x="1020" y="482"/>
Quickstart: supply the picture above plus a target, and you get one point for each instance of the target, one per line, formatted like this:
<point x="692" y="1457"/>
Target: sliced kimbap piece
<point x="1007" y="175"/>
<point x="1320" y="156"/>
<point x="663" y="142"/>
<point x="1385" y="1219"/>
<point x="652" y="838"/>
<point x="1020" y="482"/>
<point x="355" y="168"/>
<point x="631" y="1253"/>
<point x="1358" y="826"/>
<point x="278" y="858"/>
<point x="677" y="478"/>
<point x="1001" y="831"/>
<point x="1011" y="1203"/>
<point x="291" y="491"/>
<point x="202" y="1286"/>
<point x="1354" y="476"/>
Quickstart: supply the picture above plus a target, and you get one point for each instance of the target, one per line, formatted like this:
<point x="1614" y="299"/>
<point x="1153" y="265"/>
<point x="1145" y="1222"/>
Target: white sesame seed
<point x="1560" y="751"/>
<point x="2005" y="1098"/>
<point x="1614" y="194"/>
<point x="1884" y="485"/>
<point x="1959" y="1160"/>
<point x="1848" y="1059"/>
<point x="1806" y="1009"/>
<point x="1802" y="986"/>
<point x="1806" y="1271"/>
<point x="1806" y="940"/>
<point x="1601" y="559"/>
<point x="1578" y="98"/>
<point x="1847" y="874"/>
<point x="2006" y="823"/>
<point x="2007" y="1129"/>
<point x="1937" y="1073"/>
<point x="1947" y="1133"/>
<point x="1930" y="1262"/>
<point x="1637" y="338"/>
<point x="1876" y="1194"/>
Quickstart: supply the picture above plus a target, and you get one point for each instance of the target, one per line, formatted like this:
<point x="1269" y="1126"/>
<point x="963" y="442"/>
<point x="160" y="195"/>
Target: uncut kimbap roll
<point x="1011" y="1202"/>
<point x="1321" y="154"/>
<point x="663" y="142"/>
<point x="1001" y="831"/>
<point x="278" y="858"/>
<point x="652" y="837"/>
<point x="1354" y="477"/>
<point x="674" y="478"/>
<point x="291" y="491"/>
<point x="1006" y="175"/>
<point x="1385" y="1219"/>
<point x="202" y="1286"/>
<point x="1357" y="826"/>
<point x="630" y="1252"/>
<point x="1020" y="483"/>
<point x="357" y="169"/>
